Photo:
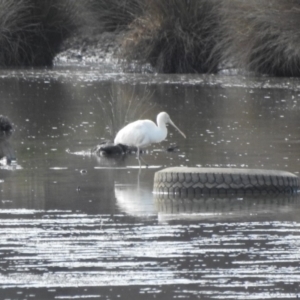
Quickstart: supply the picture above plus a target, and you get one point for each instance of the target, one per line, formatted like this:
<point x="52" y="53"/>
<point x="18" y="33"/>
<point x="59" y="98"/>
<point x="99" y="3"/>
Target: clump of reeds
<point x="260" y="35"/>
<point x="174" y="36"/>
<point x="31" y="31"/>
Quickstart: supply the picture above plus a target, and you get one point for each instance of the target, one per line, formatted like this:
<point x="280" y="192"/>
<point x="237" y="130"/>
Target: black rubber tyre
<point x="191" y="182"/>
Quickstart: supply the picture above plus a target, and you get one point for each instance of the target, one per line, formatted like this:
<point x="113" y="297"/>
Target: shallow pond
<point x="79" y="226"/>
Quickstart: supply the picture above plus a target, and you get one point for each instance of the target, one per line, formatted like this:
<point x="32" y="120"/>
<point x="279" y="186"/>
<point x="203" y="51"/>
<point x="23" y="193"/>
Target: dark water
<point x="78" y="226"/>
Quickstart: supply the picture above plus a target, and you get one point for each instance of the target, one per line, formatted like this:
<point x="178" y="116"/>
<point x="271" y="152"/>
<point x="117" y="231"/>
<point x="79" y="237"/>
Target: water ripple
<point x="61" y="249"/>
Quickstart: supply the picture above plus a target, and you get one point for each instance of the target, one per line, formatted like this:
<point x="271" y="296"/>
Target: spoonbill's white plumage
<point x="142" y="133"/>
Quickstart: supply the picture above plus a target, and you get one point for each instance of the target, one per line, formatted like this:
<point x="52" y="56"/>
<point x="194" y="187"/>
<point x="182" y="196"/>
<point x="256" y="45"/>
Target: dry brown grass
<point x="260" y="35"/>
<point x="175" y="36"/>
<point x="114" y="15"/>
<point x="31" y="31"/>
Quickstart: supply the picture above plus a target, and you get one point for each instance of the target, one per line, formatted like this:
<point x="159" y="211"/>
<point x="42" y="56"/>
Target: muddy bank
<point x="92" y="48"/>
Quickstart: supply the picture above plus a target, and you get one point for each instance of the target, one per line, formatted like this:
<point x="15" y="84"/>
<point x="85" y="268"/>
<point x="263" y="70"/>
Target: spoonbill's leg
<point x="140" y="158"/>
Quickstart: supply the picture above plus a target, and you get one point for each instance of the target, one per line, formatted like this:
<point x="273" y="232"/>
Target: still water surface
<point x="78" y="226"/>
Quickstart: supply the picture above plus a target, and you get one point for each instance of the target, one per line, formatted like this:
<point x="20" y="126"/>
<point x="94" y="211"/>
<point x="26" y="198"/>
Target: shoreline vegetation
<point x="172" y="36"/>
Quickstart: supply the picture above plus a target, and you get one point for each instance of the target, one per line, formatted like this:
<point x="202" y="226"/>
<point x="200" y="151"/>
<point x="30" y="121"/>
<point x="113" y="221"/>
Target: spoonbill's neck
<point x="162" y="130"/>
<point x="161" y="124"/>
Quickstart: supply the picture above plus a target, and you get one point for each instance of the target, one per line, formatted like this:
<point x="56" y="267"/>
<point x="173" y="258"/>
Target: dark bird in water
<point x="172" y="148"/>
<point x="6" y="130"/>
<point x="107" y="148"/>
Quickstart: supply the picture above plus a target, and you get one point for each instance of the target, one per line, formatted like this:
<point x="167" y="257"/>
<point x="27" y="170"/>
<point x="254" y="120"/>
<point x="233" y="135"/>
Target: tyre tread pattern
<point x="181" y="181"/>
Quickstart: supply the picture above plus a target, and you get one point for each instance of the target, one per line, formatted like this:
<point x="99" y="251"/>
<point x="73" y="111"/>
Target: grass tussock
<point x="31" y="31"/>
<point x="174" y="36"/>
<point x="114" y="15"/>
<point x="260" y="35"/>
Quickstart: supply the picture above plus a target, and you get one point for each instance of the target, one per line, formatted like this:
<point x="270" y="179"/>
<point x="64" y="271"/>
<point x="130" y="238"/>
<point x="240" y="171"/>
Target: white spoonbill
<point x="142" y="133"/>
